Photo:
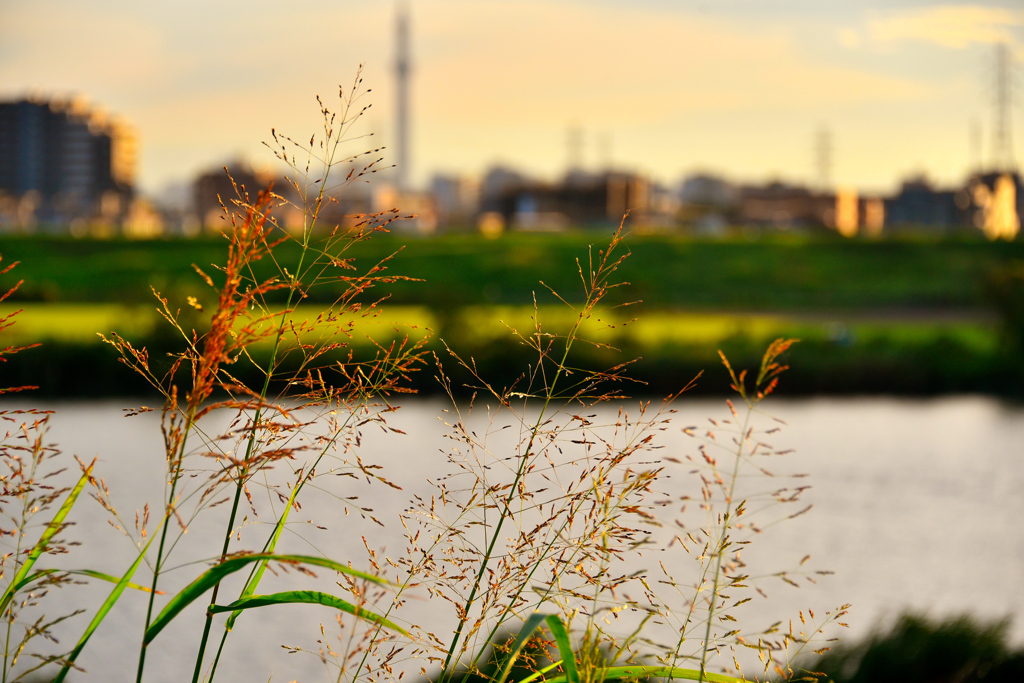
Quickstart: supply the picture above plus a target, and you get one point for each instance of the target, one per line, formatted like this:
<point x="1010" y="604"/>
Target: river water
<point x="917" y="504"/>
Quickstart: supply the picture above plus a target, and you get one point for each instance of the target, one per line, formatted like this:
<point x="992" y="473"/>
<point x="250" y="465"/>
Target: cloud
<point x="528" y="63"/>
<point x="501" y="78"/>
<point x="52" y="34"/>
<point x="199" y="84"/>
<point x="848" y="38"/>
<point x="950" y="26"/>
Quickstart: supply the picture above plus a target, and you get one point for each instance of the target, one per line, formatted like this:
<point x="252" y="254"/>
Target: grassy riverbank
<point x="899" y="317"/>
<point x="772" y="274"/>
<point x="847" y="355"/>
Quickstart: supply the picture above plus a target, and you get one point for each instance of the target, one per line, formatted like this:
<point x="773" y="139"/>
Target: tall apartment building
<point x="62" y="163"/>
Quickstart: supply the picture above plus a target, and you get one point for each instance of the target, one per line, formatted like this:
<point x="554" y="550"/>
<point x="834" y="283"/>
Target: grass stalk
<point x="333" y="143"/>
<point x="595" y="286"/>
<point x="723" y="543"/>
<point x="158" y="565"/>
<point x="506" y="510"/>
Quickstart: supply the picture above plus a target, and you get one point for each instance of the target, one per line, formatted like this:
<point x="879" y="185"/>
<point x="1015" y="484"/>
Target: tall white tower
<point x="402" y="69"/>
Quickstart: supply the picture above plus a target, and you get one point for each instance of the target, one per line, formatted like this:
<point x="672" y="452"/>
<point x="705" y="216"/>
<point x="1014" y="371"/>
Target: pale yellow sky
<point x="738" y="87"/>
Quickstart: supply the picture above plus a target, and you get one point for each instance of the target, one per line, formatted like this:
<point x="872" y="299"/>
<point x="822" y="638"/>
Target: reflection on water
<point x="916" y="504"/>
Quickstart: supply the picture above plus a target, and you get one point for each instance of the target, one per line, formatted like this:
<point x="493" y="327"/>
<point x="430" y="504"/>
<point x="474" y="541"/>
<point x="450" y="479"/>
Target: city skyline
<point x="665" y="89"/>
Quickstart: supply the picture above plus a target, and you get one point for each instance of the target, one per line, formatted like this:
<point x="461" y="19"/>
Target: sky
<point x="666" y="88"/>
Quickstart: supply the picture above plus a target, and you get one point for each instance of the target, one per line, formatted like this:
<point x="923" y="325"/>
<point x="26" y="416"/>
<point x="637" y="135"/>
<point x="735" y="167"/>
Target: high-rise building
<point x="61" y="162"/>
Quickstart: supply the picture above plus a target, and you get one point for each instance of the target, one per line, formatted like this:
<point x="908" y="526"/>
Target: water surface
<point x="917" y="505"/>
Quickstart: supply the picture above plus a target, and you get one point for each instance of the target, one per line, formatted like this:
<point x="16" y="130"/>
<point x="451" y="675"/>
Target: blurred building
<point x="990" y="202"/>
<point x="580" y="199"/>
<point x="222" y="191"/>
<point x="921" y="207"/>
<point x="997" y="203"/>
<point x="703" y="189"/>
<point x="217" y="190"/>
<point x="175" y="204"/>
<point x="785" y="206"/>
<point x="855" y="215"/>
<point x="64" y="166"/>
<point x="874" y="216"/>
<point x="708" y="204"/>
<point x="407" y="211"/>
<point x="847" y="212"/>
<point x="662" y="210"/>
<point x="456" y="199"/>
<point x="498" y="183"/>
<point x="226" y="190"/>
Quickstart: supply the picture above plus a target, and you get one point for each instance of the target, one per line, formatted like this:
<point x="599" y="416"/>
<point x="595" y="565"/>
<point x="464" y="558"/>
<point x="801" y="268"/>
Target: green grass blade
<point x="115" y="595"/>
<point x="40" y="547"/>
<point x="529" y="626"/>
<point x="616" y="673"/>
<point x="308" y="597"/>
<point x="561" y="635"/>
<point x="214" y="575"/>
<point x="539" y="674"/>
<point x="81" y="572"/>
<point x="110" y="579"/>
<point x="254" y="582"/>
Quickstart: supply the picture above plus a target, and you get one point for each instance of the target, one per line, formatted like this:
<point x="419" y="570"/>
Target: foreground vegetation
<point x="917" y="649"/>
<point x="535" y="530"/>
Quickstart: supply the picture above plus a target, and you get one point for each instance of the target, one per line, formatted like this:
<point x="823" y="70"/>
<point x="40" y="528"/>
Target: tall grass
<point x="545" y="527"/>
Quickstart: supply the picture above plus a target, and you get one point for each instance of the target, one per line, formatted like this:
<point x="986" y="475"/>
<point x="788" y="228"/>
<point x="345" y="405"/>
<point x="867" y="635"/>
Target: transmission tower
<point x="1002" y="145"/>
<point x="823" y="158"/>
<point x="402" y="71"/>
<point x="574" y="147"/>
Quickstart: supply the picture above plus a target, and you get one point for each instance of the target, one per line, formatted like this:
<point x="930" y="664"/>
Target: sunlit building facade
<point x="64" y="165"/>
<point x="997" y="203"/>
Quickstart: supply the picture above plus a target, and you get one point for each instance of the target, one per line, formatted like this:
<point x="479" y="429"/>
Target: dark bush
<point x="918" y="650"/>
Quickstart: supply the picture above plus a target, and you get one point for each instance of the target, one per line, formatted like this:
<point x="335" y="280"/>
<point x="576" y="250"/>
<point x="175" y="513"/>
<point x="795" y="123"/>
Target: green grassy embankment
<point x="911" y="317"/>
<point x="769" y="275"/>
